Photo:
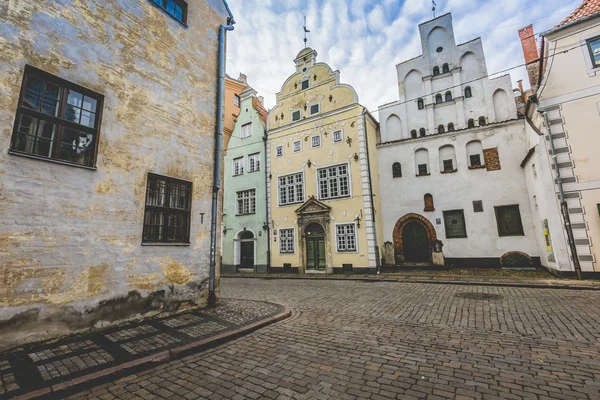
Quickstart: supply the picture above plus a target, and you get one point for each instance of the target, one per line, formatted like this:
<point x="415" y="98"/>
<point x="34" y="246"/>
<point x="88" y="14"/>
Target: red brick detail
<point x="529" y="44"/>
<point x="412" y="217"/>
<point x="428" y="200"/>
<point x="491" y="159"/>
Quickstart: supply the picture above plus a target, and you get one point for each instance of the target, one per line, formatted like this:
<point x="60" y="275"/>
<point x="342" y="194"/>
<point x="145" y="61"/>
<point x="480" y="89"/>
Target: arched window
<point x="422" y="132"/>
<point x="447" y="156"/>
<point x="481" y="121"/>
<point x="441" y="129"/>
<point x="422" y="162"/>
<point x="468" y="92"/>
<point x="413" y="133"/>
<point x="438" y="99"/>
<point x="474" y="154"/>
<point x="450" y="127"/>
<point x="471" y="123"/>
<point x="436" y="71"/>
<point x="420" y="104"/>
<point x="448" y="96"/>
<point x="445" y="68"/>
<point x="396" y="170"/>
<point x="428" y="202"/>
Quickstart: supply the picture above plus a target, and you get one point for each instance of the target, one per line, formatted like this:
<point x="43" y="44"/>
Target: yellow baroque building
<point x="322" y="182"/>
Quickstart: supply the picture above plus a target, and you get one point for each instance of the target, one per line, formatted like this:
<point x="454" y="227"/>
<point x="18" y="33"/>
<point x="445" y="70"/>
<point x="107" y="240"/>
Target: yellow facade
<point x="322" y="170"/>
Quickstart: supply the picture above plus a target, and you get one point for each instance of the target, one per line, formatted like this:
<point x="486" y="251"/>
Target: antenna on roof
<point x="433" y="7"/>
<point x="305" y="32"/>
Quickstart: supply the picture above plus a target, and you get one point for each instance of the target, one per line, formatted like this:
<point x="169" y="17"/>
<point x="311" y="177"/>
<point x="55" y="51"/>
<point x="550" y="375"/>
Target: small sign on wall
<point x="438" y="221"/>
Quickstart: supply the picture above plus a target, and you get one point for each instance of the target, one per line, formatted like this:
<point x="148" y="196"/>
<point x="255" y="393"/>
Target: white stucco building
<point x="449" y="158"/>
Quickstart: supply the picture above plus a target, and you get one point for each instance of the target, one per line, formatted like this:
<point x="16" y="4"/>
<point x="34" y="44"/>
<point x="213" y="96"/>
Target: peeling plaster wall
<point x="70" y="238"/>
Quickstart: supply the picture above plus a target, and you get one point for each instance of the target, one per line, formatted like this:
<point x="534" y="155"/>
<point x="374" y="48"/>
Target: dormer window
<point x="296" y="115"/>
<point x="436" y="71"/>
<point x="445" y="68"/>
<point x="420" y="104"/>
<point x="305" y="84"/>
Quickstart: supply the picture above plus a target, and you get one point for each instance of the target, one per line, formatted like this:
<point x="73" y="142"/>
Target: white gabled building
<point x="449" y="158"/>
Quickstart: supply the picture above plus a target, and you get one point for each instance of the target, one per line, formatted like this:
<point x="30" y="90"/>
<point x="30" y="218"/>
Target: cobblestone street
<point x="382" y="340"/>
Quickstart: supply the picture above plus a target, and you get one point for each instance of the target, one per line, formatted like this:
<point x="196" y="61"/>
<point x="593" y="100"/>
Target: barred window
<point x="396" y="170"/>
<point x="509" y="221"/>
<point x="422" y="170"/>
<point x="167" y="214"/>
<point x="56" y="120"/>
<point x="286" y="240"/>
<point x="345" y="237"/>
<point x="175" y="8"/>
<point x="475" y="160"/>
<point x="448" y="165"/>
<point x="291" y="189"/>
<point x="333" y="182"/>
<point x="454" y="222"/>
<point x="246" y="202"/>
<point x="238" y="166"/>
<point x="254" y="162"/>
<point x="246" y="130"/>
<point x="338" y="136"/>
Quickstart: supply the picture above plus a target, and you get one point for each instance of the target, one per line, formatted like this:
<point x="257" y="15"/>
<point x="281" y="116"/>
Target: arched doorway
<point x="414" y="237"/>
<point x="246" y="249"/>
<point x="314" y="235"/>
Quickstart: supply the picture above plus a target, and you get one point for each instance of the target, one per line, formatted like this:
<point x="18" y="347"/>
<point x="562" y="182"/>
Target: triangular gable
<point x="312" y="206"/>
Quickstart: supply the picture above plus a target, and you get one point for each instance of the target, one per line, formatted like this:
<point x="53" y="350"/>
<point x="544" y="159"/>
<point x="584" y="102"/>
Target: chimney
<point x="532" y="58"/>
<point x="262" y="100"/>
<point x="520" y="83"/>
<point x="243" y="78"/>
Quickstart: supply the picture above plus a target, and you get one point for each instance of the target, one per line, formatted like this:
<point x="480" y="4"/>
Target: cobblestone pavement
<point x="382" y="340"/>
<point x="40" y="365"/>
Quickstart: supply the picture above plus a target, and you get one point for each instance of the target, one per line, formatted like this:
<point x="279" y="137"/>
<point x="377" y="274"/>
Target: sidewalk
<point x="439" y="279"/>
<point x="52" y="366"/>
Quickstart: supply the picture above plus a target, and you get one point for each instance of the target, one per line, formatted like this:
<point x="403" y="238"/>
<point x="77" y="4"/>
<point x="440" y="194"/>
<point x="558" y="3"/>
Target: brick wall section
<point x="530" y="52"/>
<point x="492" y="159"/>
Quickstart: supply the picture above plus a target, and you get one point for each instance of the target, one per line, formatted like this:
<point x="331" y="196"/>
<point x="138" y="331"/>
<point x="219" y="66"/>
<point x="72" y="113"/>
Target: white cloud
<point x="365" y="39"/>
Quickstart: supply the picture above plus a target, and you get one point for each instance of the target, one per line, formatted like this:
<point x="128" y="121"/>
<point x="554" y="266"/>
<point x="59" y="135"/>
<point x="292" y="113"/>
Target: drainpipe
<point x="377" y="258"/>
<point x="267" y="207"/>
<point x="563" y="202"/>
<point x="218" y="158"/>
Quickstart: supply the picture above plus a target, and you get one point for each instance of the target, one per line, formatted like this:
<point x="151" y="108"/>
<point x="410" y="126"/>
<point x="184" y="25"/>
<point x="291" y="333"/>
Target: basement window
<point x="56" y="120"/>
<point x="167" y="215"/>
<point x="175" y="8"/>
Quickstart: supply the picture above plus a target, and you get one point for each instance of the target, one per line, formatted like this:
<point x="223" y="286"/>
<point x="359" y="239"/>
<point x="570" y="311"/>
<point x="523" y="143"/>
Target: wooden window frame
<point x="250" y="196"/>
<point x="299" y="115"/>
<point x="287" y="190"/>
<point x="318" y="108"/>
<point x="162" y="5"/>
<point x="287" y="241"/>
<point x="60" y="122"/>
<point x="471" y="164"/>
<point x="334" y="180"/>
<point x="277" y="148"/>
<point x="396" y="170"/>
<point x="345" y="241"/>
<point x="448" y="167"/>
<point x="167" y="210"/>
<point x="254" y="157"/>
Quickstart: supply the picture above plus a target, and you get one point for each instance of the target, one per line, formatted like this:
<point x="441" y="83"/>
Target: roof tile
<point x="586" y="9"/>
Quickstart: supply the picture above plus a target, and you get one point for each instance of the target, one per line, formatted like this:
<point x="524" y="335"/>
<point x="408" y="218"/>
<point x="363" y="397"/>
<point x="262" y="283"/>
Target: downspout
<point x="563" y="202"/>
<point x="267" y="207"/>
<point x="218" y="158"/>
<point x="377" y="258"/>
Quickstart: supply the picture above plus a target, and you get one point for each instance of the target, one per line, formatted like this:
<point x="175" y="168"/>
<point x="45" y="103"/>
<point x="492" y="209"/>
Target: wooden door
<point x="247" y="254"/>
<point x="415" y="243"/>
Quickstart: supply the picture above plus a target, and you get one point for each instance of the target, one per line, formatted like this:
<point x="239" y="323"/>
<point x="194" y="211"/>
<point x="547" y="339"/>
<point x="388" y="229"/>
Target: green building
<point x="245" y="235"/>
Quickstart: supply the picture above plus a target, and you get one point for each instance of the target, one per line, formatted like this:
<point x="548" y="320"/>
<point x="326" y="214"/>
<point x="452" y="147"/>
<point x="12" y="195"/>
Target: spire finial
<point x="433" y="7"/>
<point x="305" y="32"/>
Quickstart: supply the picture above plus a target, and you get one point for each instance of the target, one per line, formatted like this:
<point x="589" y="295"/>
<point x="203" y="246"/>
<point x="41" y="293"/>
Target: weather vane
<point x="433" y="7"/>
<point x="305" y="32"/>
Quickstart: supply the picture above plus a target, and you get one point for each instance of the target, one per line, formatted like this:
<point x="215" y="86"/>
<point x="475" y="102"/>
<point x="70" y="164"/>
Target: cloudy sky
<point x="365" y="39"/>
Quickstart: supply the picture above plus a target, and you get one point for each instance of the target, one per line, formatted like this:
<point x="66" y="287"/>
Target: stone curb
<point x="164" y="356"/>
<point x="440" y="280"/>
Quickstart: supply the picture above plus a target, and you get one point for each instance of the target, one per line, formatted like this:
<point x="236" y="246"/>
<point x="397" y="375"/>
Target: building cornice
<point x="313" y="119"/>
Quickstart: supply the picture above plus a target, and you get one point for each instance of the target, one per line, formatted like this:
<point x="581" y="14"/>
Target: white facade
<point x="496" y="139"/>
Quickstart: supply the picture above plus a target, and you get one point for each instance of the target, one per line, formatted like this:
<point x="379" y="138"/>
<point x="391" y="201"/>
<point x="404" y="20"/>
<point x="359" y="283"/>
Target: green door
<point x="315" y="247"/>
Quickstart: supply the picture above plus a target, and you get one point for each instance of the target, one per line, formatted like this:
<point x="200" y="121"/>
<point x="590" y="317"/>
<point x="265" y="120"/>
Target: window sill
<point x="290" y="204"/>
<point x="241" y="215"/>
<point x="51" y="160"/>
<point x="238" y="174"/>
<point x="335" y="198"/>
<point x="513" y="234"/>
<point x="477" y="166"/>
<point x="420" y="175"/>
<point x="456" y="237"/>
<point x="256" y="170"/>
<point x="176" y="244"/>
<point x="449" y="171"/>
<point x="399" y="176"/>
